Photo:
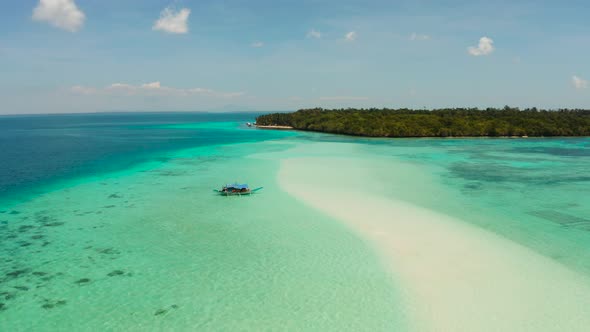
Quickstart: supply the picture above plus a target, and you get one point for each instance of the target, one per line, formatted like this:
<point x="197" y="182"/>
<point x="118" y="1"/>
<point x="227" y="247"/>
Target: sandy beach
<point x="454" y="276"/>
<point x="275" y="127"/>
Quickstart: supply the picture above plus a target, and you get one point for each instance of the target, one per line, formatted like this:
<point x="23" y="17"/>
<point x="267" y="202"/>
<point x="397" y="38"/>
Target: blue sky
<point x="89" y="55"/>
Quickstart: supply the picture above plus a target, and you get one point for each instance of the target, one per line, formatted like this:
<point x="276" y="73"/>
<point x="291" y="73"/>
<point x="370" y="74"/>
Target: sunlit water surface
<point x="109" y="222"/>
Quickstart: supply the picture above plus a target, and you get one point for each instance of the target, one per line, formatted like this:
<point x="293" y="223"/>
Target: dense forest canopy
<point x="436" y="123"/>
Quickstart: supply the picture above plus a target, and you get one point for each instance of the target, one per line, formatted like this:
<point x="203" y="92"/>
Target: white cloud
<point x="63" y="14"/>
<point x="173" y="22"/>
<point x="153" y="85"/>
<point x="82" y="90"/>
<point x="415" y="36"/>
<point x="119" y="86"/>
<point x="257" y="44"/>
<point x="351" y="36"/>
<point x="579" y="83"/>
<point x="151" y="88"/>
<point x="343" y="98"/>
<point x="314" y="34"/>
<point x="485" y="47"/>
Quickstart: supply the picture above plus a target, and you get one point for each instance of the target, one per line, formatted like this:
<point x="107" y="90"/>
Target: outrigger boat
<point x="236" y="189"/>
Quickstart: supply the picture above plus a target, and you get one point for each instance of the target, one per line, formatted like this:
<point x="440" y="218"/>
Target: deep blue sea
<point x="37" y="150"/>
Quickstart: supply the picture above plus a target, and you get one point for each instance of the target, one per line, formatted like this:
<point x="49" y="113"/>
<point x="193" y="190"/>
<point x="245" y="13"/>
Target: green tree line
<point x="457" y="122"/>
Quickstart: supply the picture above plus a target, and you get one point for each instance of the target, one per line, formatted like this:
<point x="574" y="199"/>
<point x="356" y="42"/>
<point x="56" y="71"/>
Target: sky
<point x="64" y="56"/>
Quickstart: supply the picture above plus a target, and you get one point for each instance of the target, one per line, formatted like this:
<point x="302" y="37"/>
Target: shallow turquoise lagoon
<point x="110" y="223"/>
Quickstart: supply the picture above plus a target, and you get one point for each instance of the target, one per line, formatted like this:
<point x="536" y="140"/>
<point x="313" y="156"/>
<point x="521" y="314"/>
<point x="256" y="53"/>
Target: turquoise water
<point x="110" y="223"/>
<point x="533" y="191"/>
<point x="150" y="246"/>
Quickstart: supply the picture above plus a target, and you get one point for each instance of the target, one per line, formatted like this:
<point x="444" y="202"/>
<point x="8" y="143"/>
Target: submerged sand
<point x="155" y="249"/>
<point x="454" y="276"/>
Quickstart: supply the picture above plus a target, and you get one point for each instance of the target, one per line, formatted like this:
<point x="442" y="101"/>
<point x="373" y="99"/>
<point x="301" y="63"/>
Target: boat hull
<point x="225" y="193"/>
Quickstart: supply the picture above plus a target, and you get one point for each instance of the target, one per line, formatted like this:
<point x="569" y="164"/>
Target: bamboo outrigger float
<point x="236" y="189"/>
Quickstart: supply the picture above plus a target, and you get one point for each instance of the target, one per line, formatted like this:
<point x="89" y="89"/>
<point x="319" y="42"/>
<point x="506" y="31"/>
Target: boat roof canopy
<point x="237" y="186"/>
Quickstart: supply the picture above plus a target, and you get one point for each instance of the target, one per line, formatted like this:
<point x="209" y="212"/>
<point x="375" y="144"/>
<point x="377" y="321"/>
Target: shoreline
<point x="416" y="137"/>
<point x="410" y="137"/>
<point x="275" y="127"/>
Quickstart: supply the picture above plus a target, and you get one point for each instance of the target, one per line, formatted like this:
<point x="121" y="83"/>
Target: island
<point x="449" y="122"/>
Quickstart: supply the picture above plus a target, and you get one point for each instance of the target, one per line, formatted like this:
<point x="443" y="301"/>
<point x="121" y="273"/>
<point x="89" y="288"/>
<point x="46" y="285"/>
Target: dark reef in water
<point x="160" y="312"/>
<point x="108" y="251"/>
<point x="8" y="295"/>
<point x="53" y="224"/>
<point x="562" y="218"/>
<point x="17" y="273"/>
<point x="163" y="311"/>
<point x="83" y="281"/>
<point x="46" y="220"/>
<point x="50" y="304"/>
<point x="474" y="186"/>
<point x="25" y="228"/>
<point x="115" y="273"/>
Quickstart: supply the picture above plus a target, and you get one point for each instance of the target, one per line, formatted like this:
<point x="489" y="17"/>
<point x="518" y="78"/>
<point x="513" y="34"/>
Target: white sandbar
<point x="455" y="276"/>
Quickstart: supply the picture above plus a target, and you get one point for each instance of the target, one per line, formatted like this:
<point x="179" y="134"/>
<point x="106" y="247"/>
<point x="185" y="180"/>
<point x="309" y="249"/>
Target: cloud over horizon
<point x="173" y="22"/>
<point x="485" y="47"/>
<point x="343" y="98"/>
<point x="313" y="33"/>
<point x="151" y="89"/>
<point x="579" y="83"/>
<point x="415" y="36"/>
<point x="63" y="14"/>
<point x="351" y="36"/>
